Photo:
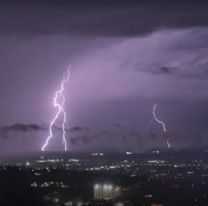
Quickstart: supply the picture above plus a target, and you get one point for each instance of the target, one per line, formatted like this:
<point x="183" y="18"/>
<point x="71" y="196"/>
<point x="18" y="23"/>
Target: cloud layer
<point x="166" y="64"/>
<point x="125" y="57"/>
<point x="107" y="18"/>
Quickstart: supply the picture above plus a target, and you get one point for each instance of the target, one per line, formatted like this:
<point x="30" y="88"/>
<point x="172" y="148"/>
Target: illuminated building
<point x="156" y="204"/>
<point x="106" y="192"/>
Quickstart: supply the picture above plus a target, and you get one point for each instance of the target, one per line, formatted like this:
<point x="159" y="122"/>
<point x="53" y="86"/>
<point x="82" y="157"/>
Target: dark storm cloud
<point x="78" y="129"/>
<point x="72" y="129"/>
<point x="126" y="57"/>
<point x="21" y="128"/>
<point x="86" y="139"/>
<point x="131" y="140"/>
<point x="107" y="18"/>
<point x="34" y="127"/>
<point x="165" y="70"/>
<point x="122" y="137"/>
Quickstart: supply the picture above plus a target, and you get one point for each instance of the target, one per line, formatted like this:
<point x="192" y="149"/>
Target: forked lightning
<point x="58" y="102"/>
<point x="162" y="123"/>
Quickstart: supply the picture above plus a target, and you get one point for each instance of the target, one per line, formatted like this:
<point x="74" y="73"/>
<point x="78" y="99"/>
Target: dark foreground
<point x="157" y="178"/>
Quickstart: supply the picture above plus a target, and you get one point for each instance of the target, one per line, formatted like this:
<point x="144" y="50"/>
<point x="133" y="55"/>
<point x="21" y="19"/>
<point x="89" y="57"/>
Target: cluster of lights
<point x="97" y="154"/>
<point x="73" y="160"/>
<point x="105" y="186"/>
<point x="49" y="160"/>
<point x="156" y="161"/>
<point x="49" y="184"/>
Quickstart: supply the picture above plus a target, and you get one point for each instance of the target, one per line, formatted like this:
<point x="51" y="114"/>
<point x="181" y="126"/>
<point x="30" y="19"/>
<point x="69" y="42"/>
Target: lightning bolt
<point x="58" y="102"/>
<point x="162" y="123"/>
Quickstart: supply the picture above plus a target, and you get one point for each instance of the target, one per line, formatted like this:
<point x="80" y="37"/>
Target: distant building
<point x="106" y="192"/>
<point x="157" y="204"/>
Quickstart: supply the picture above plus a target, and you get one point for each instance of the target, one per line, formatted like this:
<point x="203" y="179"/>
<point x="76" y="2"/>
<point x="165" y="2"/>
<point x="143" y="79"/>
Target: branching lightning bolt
<point x="58" y="102"/>
<point x="160" y="122"/>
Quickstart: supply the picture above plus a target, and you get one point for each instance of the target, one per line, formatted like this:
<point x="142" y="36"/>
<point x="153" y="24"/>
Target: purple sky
<point x="125" y="58"/>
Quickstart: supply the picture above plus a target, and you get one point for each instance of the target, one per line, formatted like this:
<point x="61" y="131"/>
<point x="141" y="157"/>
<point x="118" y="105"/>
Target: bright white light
<point x="60" y="105"/>
<point x="110" y="187"/>
<point x="105" y="187"/>
<point x="162" y="123"/>
<point x="96" y="186"/>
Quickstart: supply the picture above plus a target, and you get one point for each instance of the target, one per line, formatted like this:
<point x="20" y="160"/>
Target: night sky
<point x="125" y="57"/>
